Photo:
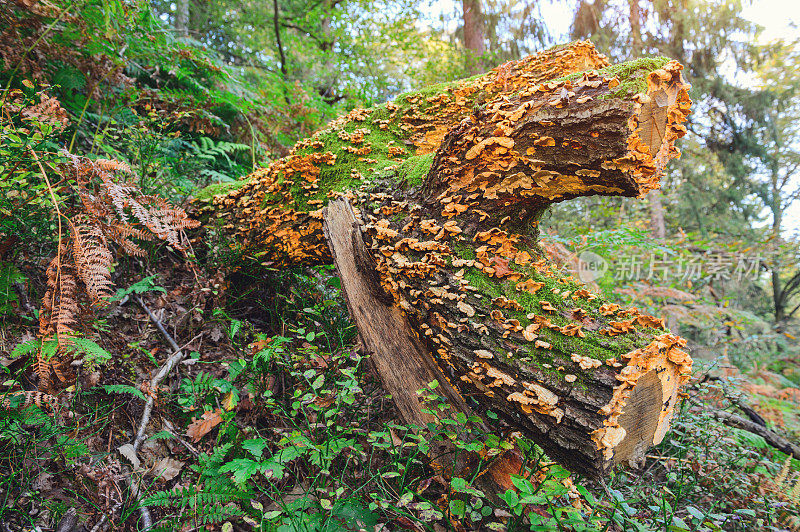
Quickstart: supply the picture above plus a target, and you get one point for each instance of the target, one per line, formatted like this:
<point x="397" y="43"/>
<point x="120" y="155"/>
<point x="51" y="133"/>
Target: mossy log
<point x="448" y="184"/>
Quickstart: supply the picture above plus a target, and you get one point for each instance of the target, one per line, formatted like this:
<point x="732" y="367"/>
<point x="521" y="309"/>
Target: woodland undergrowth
<point x="273" y="419"/>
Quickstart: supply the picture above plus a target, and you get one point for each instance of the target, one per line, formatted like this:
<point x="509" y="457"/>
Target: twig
<point x="104" y="518"/>
<point x="754" y="416"/>
<point x="172" y="361"/>
<point x="189" y="446"/>
<point x="772" y="438"/>
<point x="657" y="457"/>
<point x="605" y="487"/>
<point x="737" y="398"/>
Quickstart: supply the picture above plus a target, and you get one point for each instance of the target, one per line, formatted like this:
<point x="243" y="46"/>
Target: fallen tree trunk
<point x="448" y="185"/>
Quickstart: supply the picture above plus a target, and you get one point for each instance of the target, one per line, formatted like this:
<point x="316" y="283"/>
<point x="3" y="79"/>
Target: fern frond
<point x="130" y="206"/>
<point x="218" y="176"/>
<point x="24" y="399"/>
<point x="44" y="362"/>
<point x="91" y="351"/>
<point x="124" y="388"/>
<point x="209" y="515"/>
<point x="113" y="211"/>
<point x="121" y="234"/>
<point x="93" y="261"/>
<point x="26" y="348"/>
<point x="164" y="222"/>
<point x="67" y="310"/>
<point x="112" y="165"/>
<point x="60" y="309"/>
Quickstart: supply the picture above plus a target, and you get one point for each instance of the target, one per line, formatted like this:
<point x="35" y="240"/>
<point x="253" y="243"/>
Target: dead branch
<point x="771" y="437"/>
<point x="172" y="361"/>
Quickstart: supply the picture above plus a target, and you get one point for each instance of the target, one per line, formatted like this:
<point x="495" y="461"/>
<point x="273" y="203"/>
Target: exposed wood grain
<point x="400" y="358"/>
<point x="402" y="361"/>
<point x="640" y="420"/>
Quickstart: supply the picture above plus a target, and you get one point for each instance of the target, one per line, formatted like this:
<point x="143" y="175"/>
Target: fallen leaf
<point x="501" y="269"/>
<point x="200" y="427"/>
<point x="167" y="468"/>
<point x="229" y="401"/>
<point x="324" y="401"/>
<point x="128" y="452"/>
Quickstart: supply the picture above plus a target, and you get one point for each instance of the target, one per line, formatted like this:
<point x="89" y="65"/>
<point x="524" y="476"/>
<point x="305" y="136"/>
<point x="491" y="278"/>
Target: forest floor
<point x="273" y="420"/>
<point x="210" y="396"/>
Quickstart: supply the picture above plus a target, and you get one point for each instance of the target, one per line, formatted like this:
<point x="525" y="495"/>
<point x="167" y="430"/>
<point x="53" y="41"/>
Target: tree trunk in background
<point x="658" y="226"/>
<point x="635" y="20"/>
<point x="778" y="292"/>
<point x="182" y="17"/>
<point x="446" y="187"/>
<point x="474" y="34"/>
<point x="277" y="28"/>
<point x="326" y="41"/>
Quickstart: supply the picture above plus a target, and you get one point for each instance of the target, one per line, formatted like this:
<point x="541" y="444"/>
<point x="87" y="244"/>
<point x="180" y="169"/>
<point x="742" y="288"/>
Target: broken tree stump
<point x="447" y="185"/>
<point x="398" y="354"/>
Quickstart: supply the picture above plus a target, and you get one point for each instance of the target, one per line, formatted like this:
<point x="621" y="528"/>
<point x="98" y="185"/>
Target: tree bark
<point x="447" y="185"/>
<point x="658" y="227"/>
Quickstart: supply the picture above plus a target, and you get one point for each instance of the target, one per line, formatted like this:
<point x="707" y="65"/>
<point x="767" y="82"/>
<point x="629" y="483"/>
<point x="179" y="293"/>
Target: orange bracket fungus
<point x="429" y="206"/>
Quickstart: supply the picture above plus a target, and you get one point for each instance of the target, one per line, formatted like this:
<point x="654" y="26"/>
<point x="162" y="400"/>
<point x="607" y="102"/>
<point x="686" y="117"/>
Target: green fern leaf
<point x="124" y="388"/>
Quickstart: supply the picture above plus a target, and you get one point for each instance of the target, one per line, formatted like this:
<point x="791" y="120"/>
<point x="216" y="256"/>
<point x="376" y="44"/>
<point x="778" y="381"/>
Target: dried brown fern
<point x="22" y="399"/>
<point x="58" y="317"/>
<point x="110" y="211"/>
<point x="93" y="260"/>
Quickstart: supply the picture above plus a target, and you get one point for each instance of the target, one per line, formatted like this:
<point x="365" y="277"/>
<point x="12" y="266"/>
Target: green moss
<point x="593" y="344"/>
<point x="414" y="169"/>
<point x="427" y="92"/>
<point x="206" y="195"/>
<point x="339" y="176"/>
<point x="632" y="75"/>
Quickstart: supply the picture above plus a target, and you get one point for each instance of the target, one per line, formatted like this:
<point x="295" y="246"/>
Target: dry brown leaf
<point x="167" y="468"/>
<point x="200" y="427"/>
<point x="501" y="269"/>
